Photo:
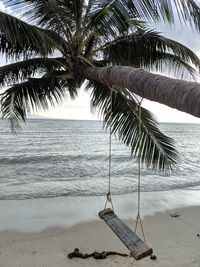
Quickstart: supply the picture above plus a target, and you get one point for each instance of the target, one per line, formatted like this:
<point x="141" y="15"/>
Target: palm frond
<point x="19" y="71"/>
<point x="34" y="94"/>
<point x="150" y="50"/>
<point x="109" y="18"/>
<point x="173" y="65"/>
<point x="51" y="15"/>
<point x="60" y="16"/>
<point x="188" y="11"/>
<point x="168" y="11"/>
<point x="22" y="38"/>
<point x="155" y="149"/>
<point x="13" y="50"/>
<point x="56" y="40"/>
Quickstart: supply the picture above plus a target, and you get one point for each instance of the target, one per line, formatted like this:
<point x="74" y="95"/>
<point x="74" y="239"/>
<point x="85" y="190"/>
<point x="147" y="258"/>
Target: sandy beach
<point x="174" y="240"/>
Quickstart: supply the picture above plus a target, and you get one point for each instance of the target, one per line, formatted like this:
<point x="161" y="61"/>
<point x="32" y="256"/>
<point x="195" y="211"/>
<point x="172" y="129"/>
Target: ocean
<point x="54" y="158"/>
<point x="55" y="173"/>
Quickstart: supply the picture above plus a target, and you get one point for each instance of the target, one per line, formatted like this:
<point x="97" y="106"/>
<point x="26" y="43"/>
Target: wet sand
<point x="174" y="239"/>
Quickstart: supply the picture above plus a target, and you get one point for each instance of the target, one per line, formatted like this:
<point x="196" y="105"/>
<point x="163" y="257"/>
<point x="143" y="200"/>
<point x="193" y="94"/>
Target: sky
<point x="79" y="109"/>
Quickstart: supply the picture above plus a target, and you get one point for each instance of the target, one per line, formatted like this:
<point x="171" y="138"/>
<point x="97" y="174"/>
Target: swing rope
<point x="138" y="218"/>
<point x="108" y="196"/>
<point x="139" y="102"/>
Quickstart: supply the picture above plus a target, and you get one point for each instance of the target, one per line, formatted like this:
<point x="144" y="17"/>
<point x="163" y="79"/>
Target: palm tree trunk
<point x="178" y="94"/>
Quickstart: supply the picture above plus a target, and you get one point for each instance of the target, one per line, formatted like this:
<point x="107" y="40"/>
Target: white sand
<point x="174" y="240"/>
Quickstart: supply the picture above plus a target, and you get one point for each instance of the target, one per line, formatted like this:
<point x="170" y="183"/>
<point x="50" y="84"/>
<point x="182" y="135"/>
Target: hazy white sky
<point x="80" y="108"/>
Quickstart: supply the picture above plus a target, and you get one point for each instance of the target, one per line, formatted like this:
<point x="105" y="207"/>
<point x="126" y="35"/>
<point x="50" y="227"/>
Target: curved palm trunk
<point x="178" y="94"/>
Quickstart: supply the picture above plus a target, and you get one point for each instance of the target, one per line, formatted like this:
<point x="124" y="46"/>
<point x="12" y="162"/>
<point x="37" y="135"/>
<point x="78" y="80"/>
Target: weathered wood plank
<point x="128" y="237"/>
<point x="138" y="248"/>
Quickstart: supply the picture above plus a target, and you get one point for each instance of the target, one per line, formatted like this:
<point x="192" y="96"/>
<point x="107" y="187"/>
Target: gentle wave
<point x="82" y="192"/>
<point x="70" y="158"/>
<point x="47" y="158"/>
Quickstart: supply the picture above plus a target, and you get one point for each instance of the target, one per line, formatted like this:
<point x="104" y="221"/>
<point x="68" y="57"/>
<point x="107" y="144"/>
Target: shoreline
<point x="174" y="240"/>
<point x="34" y="215"/>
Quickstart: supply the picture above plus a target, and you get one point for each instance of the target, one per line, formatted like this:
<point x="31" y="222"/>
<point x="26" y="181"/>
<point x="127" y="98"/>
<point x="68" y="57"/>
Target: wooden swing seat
<point x="138" y="248"/>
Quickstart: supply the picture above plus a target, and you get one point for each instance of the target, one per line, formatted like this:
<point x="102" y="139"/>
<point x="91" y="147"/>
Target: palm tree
<point x="68" y="42"/>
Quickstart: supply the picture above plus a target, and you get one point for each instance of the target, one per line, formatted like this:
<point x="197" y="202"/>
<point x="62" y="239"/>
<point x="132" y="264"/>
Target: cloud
<point x="5" y="8"/>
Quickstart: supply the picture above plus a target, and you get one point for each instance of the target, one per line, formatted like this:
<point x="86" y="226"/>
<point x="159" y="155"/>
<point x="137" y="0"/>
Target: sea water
<point x="53" y="165"/>
<point x="52" y="158"/>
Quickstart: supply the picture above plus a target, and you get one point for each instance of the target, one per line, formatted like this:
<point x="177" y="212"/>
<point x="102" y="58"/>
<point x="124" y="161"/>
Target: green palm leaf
<point x="24" y="38"/>
<point x="34" y="94"/>
<point x="62" y="17"/>
<point x="166" y="10"/>
<point x="22" y="70"/>
<point x="188" y="11"/>
<point x="155" y="149"/>
<point x="108" y="16"/>
<point x="148" y="49"/>
<point x="56" y="40"/>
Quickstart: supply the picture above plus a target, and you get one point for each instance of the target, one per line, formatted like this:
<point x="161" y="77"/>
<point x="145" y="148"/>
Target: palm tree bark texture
<point x="175" y="93"/>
